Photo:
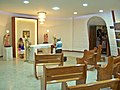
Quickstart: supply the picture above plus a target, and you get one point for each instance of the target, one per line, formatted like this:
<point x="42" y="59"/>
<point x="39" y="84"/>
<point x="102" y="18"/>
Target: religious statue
<point x="6" y="41"/>
<point x="45" y="38"/>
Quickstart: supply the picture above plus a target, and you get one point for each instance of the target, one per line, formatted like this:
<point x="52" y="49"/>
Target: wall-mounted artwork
<point x="26" y="33"/>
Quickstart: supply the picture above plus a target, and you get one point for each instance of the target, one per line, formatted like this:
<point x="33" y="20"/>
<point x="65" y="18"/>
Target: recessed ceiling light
<point x="26" y="2"/>
<point x="100" y="10"/>
<point x="85" y="4"/>
<point x="47" y="30"/>
<point x="55" y="8"/>
<point x="75" y="12"/>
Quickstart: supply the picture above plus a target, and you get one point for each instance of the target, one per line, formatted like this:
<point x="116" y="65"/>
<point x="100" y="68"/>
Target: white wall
<point x="60" y="28"/>
<point x="74" y="33"/>
<point x="5" y="24"/>
<point x="80" y="36"/>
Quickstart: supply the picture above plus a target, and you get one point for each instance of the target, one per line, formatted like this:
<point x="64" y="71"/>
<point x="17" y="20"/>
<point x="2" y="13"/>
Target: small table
<point x="7" y="53"/>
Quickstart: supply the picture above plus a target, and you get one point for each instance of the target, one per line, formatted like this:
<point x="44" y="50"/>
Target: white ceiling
<point x="67" y="7"/>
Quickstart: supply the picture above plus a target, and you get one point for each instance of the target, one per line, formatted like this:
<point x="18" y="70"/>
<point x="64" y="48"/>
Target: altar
<point x="33" y="49"/>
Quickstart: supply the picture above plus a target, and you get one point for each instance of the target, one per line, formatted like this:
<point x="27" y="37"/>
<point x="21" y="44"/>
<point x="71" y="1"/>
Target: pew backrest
<point x="114" y="84"/>
<point x="116" y="64"/>
<point x="47" y="59"/>
<point x="104" y="73"/>
<point x="99" y="51"/>
<point x="89" y="57"/>
<point x="63" y="74"/>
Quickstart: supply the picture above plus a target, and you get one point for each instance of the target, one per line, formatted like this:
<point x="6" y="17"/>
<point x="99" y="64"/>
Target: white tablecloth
<point x="33" y="49"/>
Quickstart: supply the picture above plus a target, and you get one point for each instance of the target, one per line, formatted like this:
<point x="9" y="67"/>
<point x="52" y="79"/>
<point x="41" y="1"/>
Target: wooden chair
<point x="104" y="73"/>
<point x="47" y="59"/>
<point x="63" y="74"/>
<point x="114" y="84"/>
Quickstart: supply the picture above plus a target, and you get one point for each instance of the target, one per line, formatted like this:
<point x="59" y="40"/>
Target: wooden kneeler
<point x="63" y="74"/>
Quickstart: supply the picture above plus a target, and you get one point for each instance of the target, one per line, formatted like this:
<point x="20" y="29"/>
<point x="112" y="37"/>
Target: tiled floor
<point x="19" y="75"/>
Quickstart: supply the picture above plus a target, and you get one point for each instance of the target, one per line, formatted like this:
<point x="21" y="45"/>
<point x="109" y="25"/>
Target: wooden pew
<point x="116" y="59"/>
<point x="116" y="70"/>
<point x="114" y="84"/>
<point x="63" y="74"/>
<point x="116" y="64"/>
<point x="99" y="57"/>
<point x="104" y="73"/>
<point x="47" y="59"/>
<point x="89" y="58"/>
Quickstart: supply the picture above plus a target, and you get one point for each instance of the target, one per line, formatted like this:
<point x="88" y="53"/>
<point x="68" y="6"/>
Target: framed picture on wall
<point x="26" y="33"/>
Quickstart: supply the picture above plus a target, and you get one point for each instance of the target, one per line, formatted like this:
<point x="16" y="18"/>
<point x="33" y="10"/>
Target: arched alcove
<point x="97" y="32"/>
<point x="22" y="27"/>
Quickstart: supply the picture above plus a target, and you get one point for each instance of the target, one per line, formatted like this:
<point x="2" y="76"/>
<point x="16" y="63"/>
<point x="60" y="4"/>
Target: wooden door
<point x="92" y="37"/>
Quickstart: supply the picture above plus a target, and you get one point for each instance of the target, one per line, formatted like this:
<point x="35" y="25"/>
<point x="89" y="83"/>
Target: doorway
<point x="98" y="34"/>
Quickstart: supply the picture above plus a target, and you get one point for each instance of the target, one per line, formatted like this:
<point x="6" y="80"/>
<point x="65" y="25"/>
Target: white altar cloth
<point x="33" y="49"/>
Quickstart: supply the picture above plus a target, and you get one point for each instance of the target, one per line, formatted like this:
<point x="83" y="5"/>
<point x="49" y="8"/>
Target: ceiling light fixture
<point x="41" y="16"/>
<point x="26" y="2"/>
<point x="85" y="4"/>
<point x="100" y="10"/>
<point x="75" y="13"/>
<point x="55" y="8"/>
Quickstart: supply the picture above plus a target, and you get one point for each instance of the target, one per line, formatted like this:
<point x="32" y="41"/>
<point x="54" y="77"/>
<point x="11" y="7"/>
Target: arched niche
<point x="95" y="24"/>
<point x="20" y="26"/>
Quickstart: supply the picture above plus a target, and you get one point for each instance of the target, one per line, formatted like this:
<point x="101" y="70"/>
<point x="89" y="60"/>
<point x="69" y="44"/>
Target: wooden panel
<point x="114" y="84"/>
<point x="13" y="36"/>
<point x="92" y="37"/>
<point x="104" y="73"/>
<point x="63" y="74"/>
<point x="47" y="59"/>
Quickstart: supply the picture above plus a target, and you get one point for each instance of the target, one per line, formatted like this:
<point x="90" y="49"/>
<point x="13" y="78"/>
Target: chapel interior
<point x="88" y="34"/>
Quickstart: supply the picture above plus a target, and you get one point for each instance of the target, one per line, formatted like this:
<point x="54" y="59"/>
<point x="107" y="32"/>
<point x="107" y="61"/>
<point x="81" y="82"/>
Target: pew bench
<point x="113" y="84"/>
<point x="116" y="70"/>
<point x="47" y="59"/>
<point x="89" y="58"/>
<point x="116" y="64"/>
<point x="99" y="57"/>
<point x="63" y="74"/>
<point x="105" y="72"/>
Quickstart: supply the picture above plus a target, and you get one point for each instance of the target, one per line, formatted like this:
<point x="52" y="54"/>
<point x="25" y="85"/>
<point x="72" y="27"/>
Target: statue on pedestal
<point x="6" y="39"/>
